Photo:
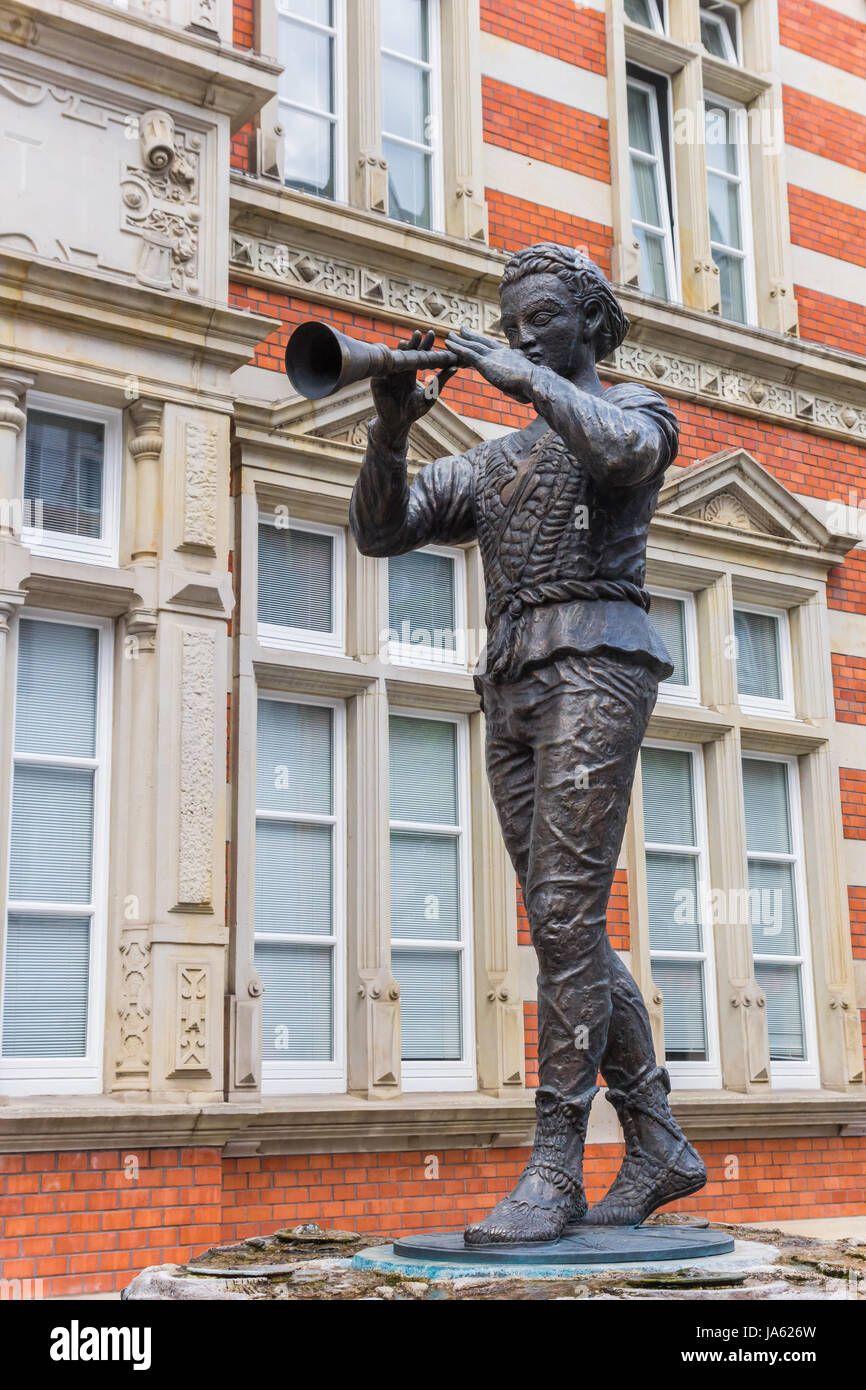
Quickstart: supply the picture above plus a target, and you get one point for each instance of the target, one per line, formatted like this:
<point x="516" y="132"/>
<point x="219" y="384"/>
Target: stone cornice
<point x="384" y="269"/>
<point x="347" y="1124"/>
<point x="132" y="46"/>
<point x="95" y="304"/>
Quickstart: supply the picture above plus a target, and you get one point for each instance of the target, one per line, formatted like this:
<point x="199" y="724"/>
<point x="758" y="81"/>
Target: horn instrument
<point x="320" y="360"/>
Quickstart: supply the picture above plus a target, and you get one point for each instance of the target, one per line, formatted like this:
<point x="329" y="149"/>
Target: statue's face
<point x="541" y="318"/>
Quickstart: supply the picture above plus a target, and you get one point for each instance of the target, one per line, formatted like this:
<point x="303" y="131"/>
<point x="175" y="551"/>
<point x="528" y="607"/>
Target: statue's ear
<point x="593" y="319"/>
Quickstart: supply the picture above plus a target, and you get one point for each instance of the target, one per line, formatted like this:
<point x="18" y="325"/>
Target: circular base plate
<point x="588" y="1245"/>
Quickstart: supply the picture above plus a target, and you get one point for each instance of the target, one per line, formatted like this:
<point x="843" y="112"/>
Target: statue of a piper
<point x="560" y="510"/>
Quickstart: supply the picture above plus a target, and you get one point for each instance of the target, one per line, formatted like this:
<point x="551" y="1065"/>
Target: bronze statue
<point x="560" y="510"/>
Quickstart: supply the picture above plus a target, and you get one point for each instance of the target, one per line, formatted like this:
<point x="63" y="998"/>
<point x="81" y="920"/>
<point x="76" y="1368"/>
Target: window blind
<point x="759" y="663"/>
<point x="48" y="955"/>
<point x="298" y="1002"/>
<point x="296" y="584"/>
<point x="430" y="1004"/>
<point x="682" y="985"/>
<point x="63" y="473"/>
<point x="782" y="984"/>
<point x="669" y="805"/>
<point x="668" y="616"/>
<point x="421" y="600"/>
<point x="423" y="756"/>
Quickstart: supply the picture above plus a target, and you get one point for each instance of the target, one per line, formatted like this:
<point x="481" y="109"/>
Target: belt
<point x="519" y="597"/>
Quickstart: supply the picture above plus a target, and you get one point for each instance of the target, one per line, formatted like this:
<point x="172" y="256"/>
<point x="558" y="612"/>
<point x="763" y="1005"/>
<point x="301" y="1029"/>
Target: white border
<point x="694" y="1075"/>
<point x="672" y="265"/>
<point x="804" y="1073"/>
<point x="300" y="638"/>
<point x="670" y="691"/>
<point x="79" y="1075"/>
<point x="759" y="704"/>
<point x="339" y="116"/>
<point x="58" y="545"/>
<point x="712" y="10"/>
<point x="407" y="654"/>
<point x="318" y="1078"/>
<point x="449" y="1076"/>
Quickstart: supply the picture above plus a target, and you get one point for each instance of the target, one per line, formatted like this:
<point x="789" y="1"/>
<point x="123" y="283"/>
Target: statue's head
<point x="557" y="307"/>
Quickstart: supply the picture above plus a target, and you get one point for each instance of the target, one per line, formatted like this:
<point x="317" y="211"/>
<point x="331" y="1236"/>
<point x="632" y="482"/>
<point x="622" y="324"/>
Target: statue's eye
<point x="541" y="320"/>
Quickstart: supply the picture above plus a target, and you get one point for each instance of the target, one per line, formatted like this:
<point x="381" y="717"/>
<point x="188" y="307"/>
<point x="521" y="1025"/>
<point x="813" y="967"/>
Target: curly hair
<point x="585" y="280"/>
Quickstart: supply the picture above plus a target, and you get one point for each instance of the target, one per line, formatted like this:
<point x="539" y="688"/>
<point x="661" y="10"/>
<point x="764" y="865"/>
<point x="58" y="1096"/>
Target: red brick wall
<point x="823" y="224"/>
<point x="539" y="128"/>
<point x="857" y="913"/>
<point x="824" y="128"/>
<point x="852" y="781"/>
<point x="515" y="222"/>
<point x="846" y="584"/>
<point x="823" y="33"/>
<point x="78" y="1222"/>
<point x="558" y="28"/>
<point x="838" y="323"/>
<point x="530" y="1040"/>
<point x="849" y="688"/>
<point x="243" y="26"/>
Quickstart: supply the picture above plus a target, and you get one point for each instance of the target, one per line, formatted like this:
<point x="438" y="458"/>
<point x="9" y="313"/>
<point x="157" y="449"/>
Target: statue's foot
<point x="644" y="1183"/>
<point x="537" y="1210"/>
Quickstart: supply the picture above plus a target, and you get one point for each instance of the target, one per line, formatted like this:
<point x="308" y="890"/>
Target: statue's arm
<point x="619" y="447"/>
<point x="389" y="516"/>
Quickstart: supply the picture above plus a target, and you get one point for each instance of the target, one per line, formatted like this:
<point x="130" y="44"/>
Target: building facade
<point x="264" y="958"/>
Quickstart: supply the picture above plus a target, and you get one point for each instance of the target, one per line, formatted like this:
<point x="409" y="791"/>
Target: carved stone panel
<point x="197" y="810"/>
<point x="193" y="993"/>
<point x="134" y="1011"/>
<point x="133" y="207"/>
<point x="200" y="455"/>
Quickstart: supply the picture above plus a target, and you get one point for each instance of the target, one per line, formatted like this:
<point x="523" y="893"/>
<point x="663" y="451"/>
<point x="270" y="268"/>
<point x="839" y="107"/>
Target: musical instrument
<point x="320" y="360"/>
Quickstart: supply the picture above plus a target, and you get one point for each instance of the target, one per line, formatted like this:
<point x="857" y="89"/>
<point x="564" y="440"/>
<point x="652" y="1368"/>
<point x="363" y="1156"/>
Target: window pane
<point x="759" y="662"/>
<point x="421" y="600"/>
<point x="298" y="1002"/>
<point x="669" y="809"/>
<point x="644" y="192"/>
<point x="425" y="887"/>
<point x="668" y="616"/>
<point x="63" y="473"/>
<point x="430" y="999"/>
<point x="674" y="906"/>
<point x="294" y="757"/>
<point x="773" y="909"/>
<point x="638" y="11"/>
<point x="409" y="184"/>
<point x="405" y="100"/>
<point x="423" y="770"/>
<point x="712" y="38"/>
<point x="294" y="878"/>
<point x="732" y="284"/>
<point x="404" y="27"/>
<point x="55" y="709"/>
<point x="639" y="120"/>
<point x="319" y="10"/>
<point x="720" y="139"/>
<point x="768" y="812"/>
<point x="782" y="985"/>
<point x="52" y="835"/>
<point x="653" y="271"/>
<point x="307" y="57"/>
<point x="46" y="986"/>
<point x="309" y="152"/>
<point x="682" y="985"/>
<point x="724" y="196"/>
<point x="296" y="578"/>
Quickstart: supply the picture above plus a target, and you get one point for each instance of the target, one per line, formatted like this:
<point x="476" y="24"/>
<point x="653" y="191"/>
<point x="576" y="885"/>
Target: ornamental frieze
<point x="299" y="270"/>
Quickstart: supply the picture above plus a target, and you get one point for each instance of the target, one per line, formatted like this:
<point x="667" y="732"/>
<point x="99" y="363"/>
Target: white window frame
<point x="442" y="1075"/>
<point x="58" y="545"/>
<point x="338" y="118"/>
<point x="434" y="149"/>
<point x="657" y="160"/>
<point x="695" y="1075"/>
<point x="742" y="179"/>
<point x="711" y="11"/>
<point x="21" y="1076"/>
<point x="301" y="638"/>
<point x="658" y="17"/>
<point x="759" y="704"/>
<point x="669" y="691"/>
<point x="307" y="1077"/>
<point x="803" y="1073"/>
<point x="406" y="654"/>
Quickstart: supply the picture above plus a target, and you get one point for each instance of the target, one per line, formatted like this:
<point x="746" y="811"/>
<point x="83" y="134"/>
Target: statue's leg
<point x="584" y="720"/>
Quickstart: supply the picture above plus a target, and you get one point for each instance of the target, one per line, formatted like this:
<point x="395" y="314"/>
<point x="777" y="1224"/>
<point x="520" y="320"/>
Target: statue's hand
<point x="399" y="399"/>
<point x="503" y="367"/>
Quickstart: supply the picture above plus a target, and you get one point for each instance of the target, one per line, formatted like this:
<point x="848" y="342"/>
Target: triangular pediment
<point x="344" y="416"/>
<point x="734" y="491"/>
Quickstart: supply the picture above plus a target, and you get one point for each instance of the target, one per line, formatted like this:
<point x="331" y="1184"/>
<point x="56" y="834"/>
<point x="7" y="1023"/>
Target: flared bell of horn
<point x="320" y="360"/>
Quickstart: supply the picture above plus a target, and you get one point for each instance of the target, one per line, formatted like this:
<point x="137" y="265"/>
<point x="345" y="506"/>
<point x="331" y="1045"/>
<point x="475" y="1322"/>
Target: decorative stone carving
<point x="193" y="991"/>
<point x="200" y="487"/>
<point x="727" y="510"/>
<point x="195" y="869"/>
<point x="160" y="197"/>
<point x="134" y="1008"/>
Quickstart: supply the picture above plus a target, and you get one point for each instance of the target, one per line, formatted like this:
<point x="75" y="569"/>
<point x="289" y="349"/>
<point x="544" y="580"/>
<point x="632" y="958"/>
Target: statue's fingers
<point x="429" y="340"/>
<point x="462" y="350"/>
<point x="480" y="339"/>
